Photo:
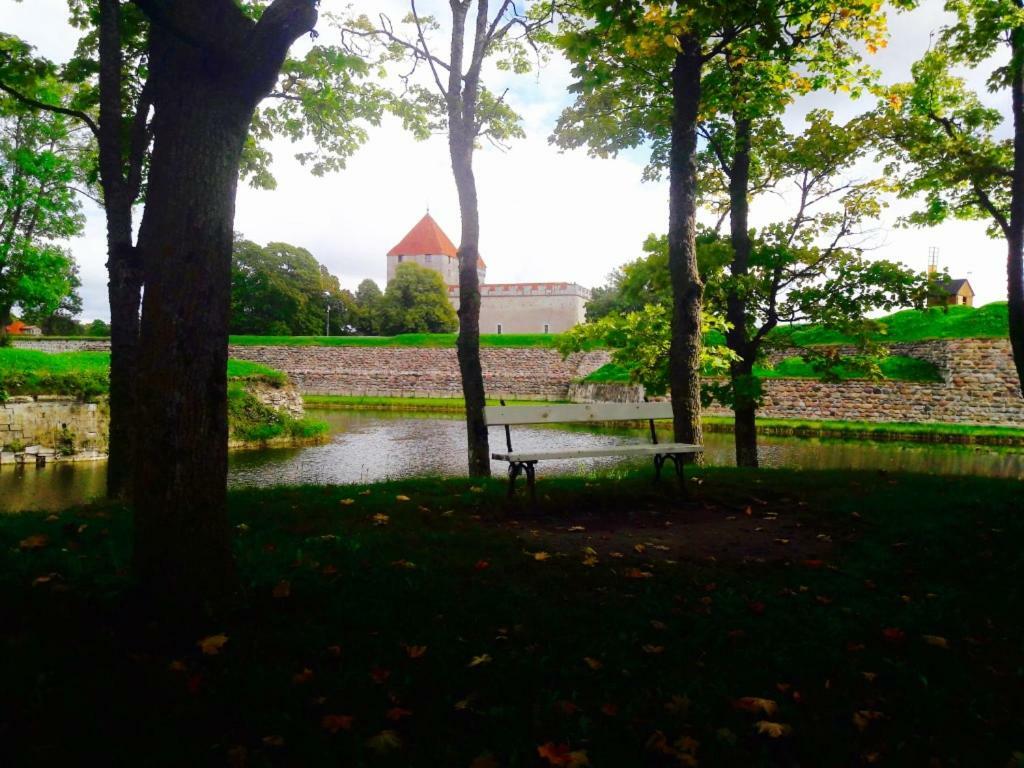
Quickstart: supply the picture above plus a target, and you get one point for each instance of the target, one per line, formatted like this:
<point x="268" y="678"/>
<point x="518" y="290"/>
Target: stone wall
<point x="41" y="420"/>
<point x="416" y="372"/>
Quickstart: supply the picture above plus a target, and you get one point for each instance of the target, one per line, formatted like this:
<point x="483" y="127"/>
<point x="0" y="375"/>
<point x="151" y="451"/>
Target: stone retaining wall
<point x="41" y="421"/>
<point x="979" y="381"/>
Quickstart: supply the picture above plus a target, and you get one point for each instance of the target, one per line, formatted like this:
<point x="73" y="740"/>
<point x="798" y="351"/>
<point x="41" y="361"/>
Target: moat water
<point x="365" y="446"/>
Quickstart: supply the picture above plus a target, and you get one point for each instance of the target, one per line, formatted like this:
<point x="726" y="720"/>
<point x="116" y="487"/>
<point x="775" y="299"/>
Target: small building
<point x="504" y="307"/>
<point x="18" y="328"/>
<point x="957" y="292"/>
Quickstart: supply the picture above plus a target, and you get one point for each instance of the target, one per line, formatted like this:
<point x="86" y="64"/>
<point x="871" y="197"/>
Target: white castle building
<point x="504" y="307"/>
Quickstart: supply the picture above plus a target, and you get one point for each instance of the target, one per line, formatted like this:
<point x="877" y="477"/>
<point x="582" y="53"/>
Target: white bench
<point x="524" y="462"/>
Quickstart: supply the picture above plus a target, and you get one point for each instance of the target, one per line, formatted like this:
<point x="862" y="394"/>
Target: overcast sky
<point x="545" y="215"/>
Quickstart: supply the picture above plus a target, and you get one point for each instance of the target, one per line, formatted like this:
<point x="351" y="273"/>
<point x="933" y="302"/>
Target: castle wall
<point x="528" y="307"/>
<point x="446" y="266"/>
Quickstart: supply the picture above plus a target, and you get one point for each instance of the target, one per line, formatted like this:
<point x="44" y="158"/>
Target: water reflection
<point x="374" y="445"/>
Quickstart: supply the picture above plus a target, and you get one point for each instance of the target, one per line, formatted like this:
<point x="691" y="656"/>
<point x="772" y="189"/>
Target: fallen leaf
<point x="560" y="754"/>
<point x="334" y="650"/>
<point x="636" y="573"/>
<point x="772" y="730"/>
<point x="576" y="528"/>
<point x="476" y="661"/>
<point x="541" y="556"/>
<point x="302" y="677"/>
<point x="864" y="717"/>
<point x="213" y="644"/>
<point x="566" y="707"/>
<point x="380" y="519"/>
<point x="616" y="555"/>
<point x="274" y="741"/>
<point x="755" y="704"/>
<point x="347" y="502"/>
<point x="594" y="664"/>
<point x="384" y="742"/>
<point x="815" y="564"/>
<point x="282" y="590"/>
<point x="397" y="713"/>
<point x="379" y="675"/>
<point x="407" y="564"/>
<point x="590" y="561"/>
<point x="415" y="651"/>
<point x="401" y="497"/>
<point x="639" y="548"/>
<point x="936" y="640"/>
<point x="894" y="634"/>
<point x="475" y="489"/>
<point x="481" y="565"/>
<point x="38" y="541"/>
<point x="335" y="723"/>
<point x="659" y="625"/>
<point x="653" y="649"/>
<point x="177" y="666"/>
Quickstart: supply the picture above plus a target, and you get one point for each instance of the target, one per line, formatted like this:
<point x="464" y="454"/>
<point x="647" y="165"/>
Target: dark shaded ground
<point x="849" y="619"/>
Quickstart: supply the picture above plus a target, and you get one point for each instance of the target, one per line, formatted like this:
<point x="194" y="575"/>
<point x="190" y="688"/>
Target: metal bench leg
<point x="514" y="468"/>
<point x="531" y="480"/>
<point x="659" y="462"/>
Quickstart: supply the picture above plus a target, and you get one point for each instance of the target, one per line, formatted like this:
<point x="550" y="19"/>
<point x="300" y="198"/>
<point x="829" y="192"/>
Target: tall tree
<point x="416" y="301"/>
<point x="467" y="111"/>
<point x="953" y="149"/>
<point x="641" y="70"/>
<point x="38" y="211"/>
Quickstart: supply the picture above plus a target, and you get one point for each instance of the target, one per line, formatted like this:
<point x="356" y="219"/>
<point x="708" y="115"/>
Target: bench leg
<point x="531" y="480"/>
<point x="678" y="460"/>
<point x="514" y="468"/>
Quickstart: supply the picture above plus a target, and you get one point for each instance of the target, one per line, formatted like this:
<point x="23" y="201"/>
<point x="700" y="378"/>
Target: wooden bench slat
<point x="498" y="415"/>
<point x="615" y="450"/>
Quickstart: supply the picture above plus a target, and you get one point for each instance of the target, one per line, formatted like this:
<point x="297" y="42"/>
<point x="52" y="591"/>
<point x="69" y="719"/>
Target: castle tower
<point x="426" y="244"/>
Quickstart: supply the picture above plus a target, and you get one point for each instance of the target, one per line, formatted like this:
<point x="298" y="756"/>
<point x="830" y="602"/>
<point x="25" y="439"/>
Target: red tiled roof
<point x="427" y="237"/>
<point x="16" y="327"/>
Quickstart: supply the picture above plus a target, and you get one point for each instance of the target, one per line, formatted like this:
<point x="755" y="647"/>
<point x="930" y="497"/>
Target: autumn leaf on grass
<point x="302" y="677"/>
<point x="213" y="644"/>
<point x="590" y="561"/>
<point x="755" y="705"/>
<point x="636" y="573"/>
<point x="653" y="649"/>
<point x="560" y="754"/>
<point x="936" y="640"/>
<point x="282" y="589"/>
<point x="481" y="565"/>
<point x="384" y="742"/>
<point x="415" y="651"/>
<point x="594" y="664"/>
<point x="894" y="634"/>
<point x="347" y="502"/>
<point x="401" y="497"/>
<point x="540" y="556"/>
<point x="772" y="730"/>
<point x="380" y="519"/>
<point x="335" y="723"/>
<point x="576" y="528"/>
<point x="476" y="661"/>
<point x="38" y="541"/>
<point x="397" y="713"/>
<point x="864" y="717"/>
<point x="639" y="548"/>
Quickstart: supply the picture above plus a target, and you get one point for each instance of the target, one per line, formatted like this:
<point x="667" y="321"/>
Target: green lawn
<point x="86" y="374"/>
<point x="862" y="618"/>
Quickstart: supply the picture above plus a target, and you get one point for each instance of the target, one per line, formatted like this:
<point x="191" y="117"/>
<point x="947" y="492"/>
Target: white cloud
<point x="545" y="215"/>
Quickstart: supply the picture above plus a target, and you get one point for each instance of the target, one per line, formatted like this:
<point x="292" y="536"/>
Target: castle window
<point x="499" y="329"/>
<point x="547" y="327"/>
<point x="400" y="259"/>
<point x="426" y="259"/>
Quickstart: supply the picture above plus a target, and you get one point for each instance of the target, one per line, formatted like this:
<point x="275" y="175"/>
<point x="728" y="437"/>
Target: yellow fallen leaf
<point x="38" y="541"/>
<point x="541" y="556"/>
<point x="636" y="573"/>
<point x="484" y="658"/>
<point x="864" y="717"/>
<point x="756" y="704"/>
<point x="653" y="649"/>
<point x="592" y="662"/>
<point x="401" y="497"/>
<point x="384" y="742"/>
<point x="302" y="677"/>
<point x="936" y="640"/>
<point x="590" y="561"/>
<point x="590" y="551"/>
<point x="213" y="644"/>
<point x="639" y="548"/>
<point x="380" y="519"/>
<point x="347" y="502"/>
<point x="576" y="528"/>
<point x="415" y="651"/>
<point x="773" y="730"/>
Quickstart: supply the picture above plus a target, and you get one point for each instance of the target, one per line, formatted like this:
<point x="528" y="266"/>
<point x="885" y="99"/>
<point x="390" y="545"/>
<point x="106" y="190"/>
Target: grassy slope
<point x="880" y="650"/>
<point x="85" y="374"/>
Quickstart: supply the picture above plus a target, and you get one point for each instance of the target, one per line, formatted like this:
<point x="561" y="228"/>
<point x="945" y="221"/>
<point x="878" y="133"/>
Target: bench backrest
<point x="575" y="412"/>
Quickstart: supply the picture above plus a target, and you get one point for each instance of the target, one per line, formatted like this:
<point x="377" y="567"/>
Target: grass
<point x="403" y="340"/>
<point x="957" y="322"/>
<point x="435" y="636"/>
<point x="86" y="374"/>
<point x="444" y="404"/>
<point x="893" y="368"/>
<point x="252" y="421"/>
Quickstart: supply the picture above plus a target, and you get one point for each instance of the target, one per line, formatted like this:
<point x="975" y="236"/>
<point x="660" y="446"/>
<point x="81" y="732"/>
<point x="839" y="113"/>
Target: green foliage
<point x="640" y="343"/>
<point x="254" y="422"/>
<point x="39" y="164"/>
<point x="282" y="289"/>
<point x="416" y="301"/>
<point x="369" y="306"/>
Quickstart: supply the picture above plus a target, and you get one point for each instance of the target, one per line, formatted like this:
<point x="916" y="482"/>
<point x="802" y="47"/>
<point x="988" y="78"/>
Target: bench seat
<point x="640" y="449"/>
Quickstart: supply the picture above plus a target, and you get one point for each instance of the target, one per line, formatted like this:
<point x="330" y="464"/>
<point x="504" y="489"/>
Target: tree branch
<point x="35" y="103"/>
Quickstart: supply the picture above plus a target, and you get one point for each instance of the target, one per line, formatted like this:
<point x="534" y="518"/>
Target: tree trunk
<point x="468" y="345"/>
<point x="1015" y="237"/>
<point x="124" y="285"/>
<point x="687" y="289"/>
<point x="737" y="337"/>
